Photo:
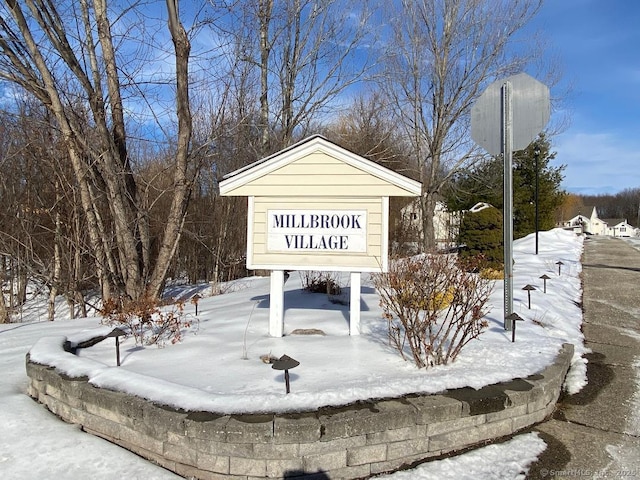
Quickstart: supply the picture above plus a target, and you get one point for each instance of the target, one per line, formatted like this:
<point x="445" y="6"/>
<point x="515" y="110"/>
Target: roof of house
<point x="614" y="221"/>
<point x="584" y="210"/>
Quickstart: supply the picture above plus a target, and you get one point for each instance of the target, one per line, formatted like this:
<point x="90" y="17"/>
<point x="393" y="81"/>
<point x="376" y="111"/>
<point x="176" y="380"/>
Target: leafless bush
<point x="145" y="321"/>
<point x="432" y="306"/>
<point x="321" y="282"/>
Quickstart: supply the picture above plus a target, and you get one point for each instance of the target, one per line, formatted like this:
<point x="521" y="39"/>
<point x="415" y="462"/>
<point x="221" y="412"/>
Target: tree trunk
<point x="57" y="262"/>
<point x="183" y="175"/>
<point x="4" y="313"/>
<point x="265" y="9"/>
<point x="427" y="208"/>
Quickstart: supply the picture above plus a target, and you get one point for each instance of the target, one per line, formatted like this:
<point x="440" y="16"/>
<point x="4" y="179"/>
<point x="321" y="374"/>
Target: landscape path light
<point x="514" y="318"/>
<point x="528" y="288"/>
<point x="285" y="363"/>
<point x="559" y="263"/>
<point x="544" y="278"/>
<point x="117" y="333"/>
<point x="195" y="299"/>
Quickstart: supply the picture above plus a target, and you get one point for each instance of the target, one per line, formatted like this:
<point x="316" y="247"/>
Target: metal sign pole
<point x="507" y="215"/>
<point x="508" y="116"/>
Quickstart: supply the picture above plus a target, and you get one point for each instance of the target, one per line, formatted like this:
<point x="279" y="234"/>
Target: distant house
<point x="446" y="224"/>
<point x="618" y="227"/>
<point x="584" y="219"/>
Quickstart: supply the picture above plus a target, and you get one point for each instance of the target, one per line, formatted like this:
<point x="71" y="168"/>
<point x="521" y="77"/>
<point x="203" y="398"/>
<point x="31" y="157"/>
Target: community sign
<point x="317" y="206"/>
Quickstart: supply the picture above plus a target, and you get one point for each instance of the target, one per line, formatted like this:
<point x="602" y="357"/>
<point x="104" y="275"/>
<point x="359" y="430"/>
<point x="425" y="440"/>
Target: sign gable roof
<point x="332" y="153"/>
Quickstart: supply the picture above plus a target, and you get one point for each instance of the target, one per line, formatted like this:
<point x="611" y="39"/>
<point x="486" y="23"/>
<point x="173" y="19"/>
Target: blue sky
<point x="598" y="45"/>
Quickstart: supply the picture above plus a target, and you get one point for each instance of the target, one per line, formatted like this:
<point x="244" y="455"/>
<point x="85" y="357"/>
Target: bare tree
<point x="66" y="55"/>
<point x="305" y="53"/>
<point x="442" y="54"/>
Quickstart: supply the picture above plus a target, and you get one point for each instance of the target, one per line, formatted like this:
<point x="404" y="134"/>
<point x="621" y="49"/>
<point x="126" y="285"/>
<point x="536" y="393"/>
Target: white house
<point x="585" y="220"/>
<point x="618" y="227"/>
<point x="446" y="224"/>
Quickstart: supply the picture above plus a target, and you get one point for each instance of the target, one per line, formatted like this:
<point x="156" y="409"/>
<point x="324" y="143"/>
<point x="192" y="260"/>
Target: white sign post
<point x="508" y="116"/>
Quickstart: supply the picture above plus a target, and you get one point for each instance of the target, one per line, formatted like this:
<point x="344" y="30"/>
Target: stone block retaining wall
<point x="354" y="441"/>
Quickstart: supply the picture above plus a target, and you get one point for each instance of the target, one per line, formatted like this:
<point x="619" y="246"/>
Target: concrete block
<point x="448" y="441"/>
<point x="104" y="403"/>
<point x="102" y="425"/>
<point x="349" y="442"/>
<point x="508" y="413"/>
<point x="408" y="448"/>
<point x="102" y="435"/>
<point x="367" y="454"/>
<point x="528" y="419"/>
<point x="491" y="398"/>
<point x="435" y="408"/>
<point x="247" y="466"/>
<point x="296" y="428"/>
<point x="206" y="426"/>
<point x="282" y="467"/>
<point x="135" y="437"/>
<point x="127" y="407"/>
<point x="223" y="448"/>
<point x="108" y="414"/>
<point x="54" y="391"/>
<point x="60" y="409"/>
<point x="463" y="423"/>
<point x="496" y="429"/>
<point x="157" y="420"/>
<point x="73" y="390"/>
<point x="213" y="463"/>
<point x="249" y="429"/>
<point x="363" y="419"/>
<point x="523" y="397"/>
<point x="275" y="451"/>
<point x="179" y="453"/>
<point x="34" y="370"/>
<point x="32" y="389"/>
<point x="75" y="415"/>
<point x="325" y="461"/>
<point x="397" y="435"/>
<point x="338" y="444"/>
<point x="540" y="404"/>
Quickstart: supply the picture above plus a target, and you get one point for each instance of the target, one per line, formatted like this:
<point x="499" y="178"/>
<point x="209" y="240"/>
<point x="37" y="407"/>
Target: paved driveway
<point x="596" y="433"/>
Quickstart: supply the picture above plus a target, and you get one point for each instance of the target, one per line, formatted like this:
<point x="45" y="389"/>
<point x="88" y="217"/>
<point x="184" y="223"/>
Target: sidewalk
<point x="596" y="433"/>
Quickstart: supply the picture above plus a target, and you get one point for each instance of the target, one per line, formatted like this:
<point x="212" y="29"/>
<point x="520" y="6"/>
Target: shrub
<point x="491" y="273"/>
<point x="145" y="321"/>
<point x="433" y="307"/>
<point x="320" y="282"/>
<point x="481" y="235"/>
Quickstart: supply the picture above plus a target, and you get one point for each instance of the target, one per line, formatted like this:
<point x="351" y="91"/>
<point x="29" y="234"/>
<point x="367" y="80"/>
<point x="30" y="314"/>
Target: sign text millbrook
<point x="331" y="230"/>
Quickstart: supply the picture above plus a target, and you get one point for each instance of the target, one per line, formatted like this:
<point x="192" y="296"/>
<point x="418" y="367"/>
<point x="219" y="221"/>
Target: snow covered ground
<point x="217" y="366"/>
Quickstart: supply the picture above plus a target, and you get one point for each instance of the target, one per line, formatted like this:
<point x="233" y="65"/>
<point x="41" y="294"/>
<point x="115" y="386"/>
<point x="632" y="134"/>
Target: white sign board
<point x="340" y="231"/>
